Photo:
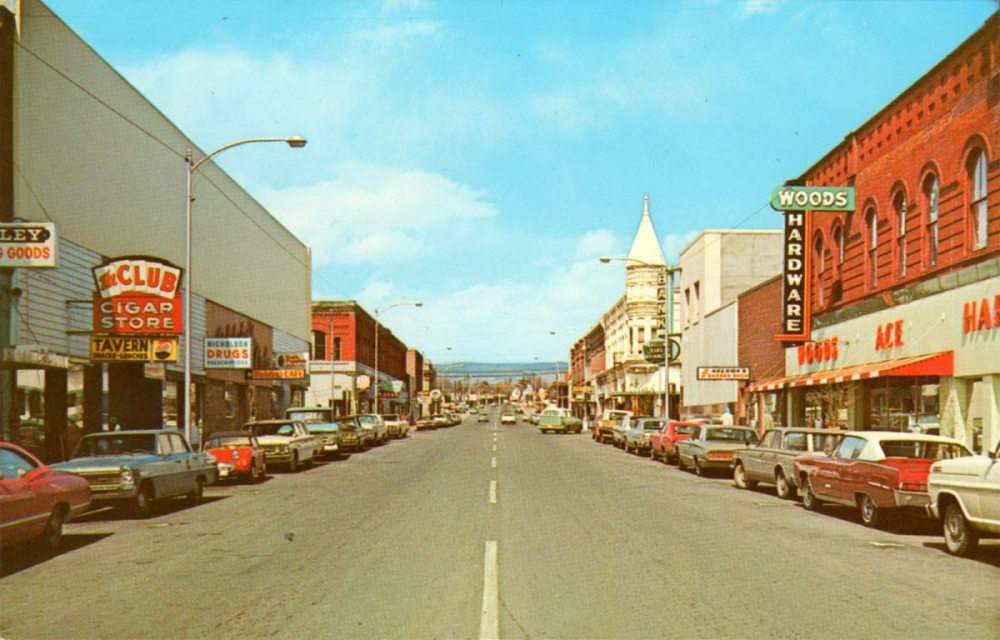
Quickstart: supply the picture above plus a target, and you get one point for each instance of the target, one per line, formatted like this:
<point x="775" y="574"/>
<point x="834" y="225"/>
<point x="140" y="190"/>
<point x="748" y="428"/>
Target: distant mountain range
<point x="496" y="371"/>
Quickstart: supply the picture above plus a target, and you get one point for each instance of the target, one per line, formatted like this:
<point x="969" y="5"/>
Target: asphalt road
<point x="484" y="530"/>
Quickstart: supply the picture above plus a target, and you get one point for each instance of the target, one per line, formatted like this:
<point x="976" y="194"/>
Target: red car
<point x="36" y="500"/>
<point x="663" y="445"/>
<point x="238" y="455"/>
<point x="874" y="471"/>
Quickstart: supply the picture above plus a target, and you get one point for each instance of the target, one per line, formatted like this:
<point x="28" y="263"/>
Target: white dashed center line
<point x="493" y="462"/>
<point x="493" y="491"/>
<point x="489" y="621"/>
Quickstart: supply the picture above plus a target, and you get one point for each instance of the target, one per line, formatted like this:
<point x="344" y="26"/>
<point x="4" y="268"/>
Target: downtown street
<point x="589" y="542"/>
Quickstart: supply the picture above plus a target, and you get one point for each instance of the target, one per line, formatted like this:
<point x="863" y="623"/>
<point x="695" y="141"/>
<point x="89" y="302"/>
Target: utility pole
<point x="8" y="377"/>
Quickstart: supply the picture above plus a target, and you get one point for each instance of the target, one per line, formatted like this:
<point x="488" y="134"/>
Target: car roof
<point x="899" y="435"/>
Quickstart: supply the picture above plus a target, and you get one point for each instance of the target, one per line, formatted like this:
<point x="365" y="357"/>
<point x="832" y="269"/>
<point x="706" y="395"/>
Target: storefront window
<point x="826" y="406"/>
<point x="905" y="404"/>
<point x="229" y="396"/>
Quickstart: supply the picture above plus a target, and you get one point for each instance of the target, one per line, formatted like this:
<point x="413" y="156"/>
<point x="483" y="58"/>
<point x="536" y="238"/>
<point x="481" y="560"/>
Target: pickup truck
<point x="965" y="496"/>
<point x="559" y="420"/>
<point x="286" y="442"/>
<point x="604" y="428"/>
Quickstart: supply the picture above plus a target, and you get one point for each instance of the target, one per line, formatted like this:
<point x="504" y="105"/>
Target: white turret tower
<point x="645" y="282"/>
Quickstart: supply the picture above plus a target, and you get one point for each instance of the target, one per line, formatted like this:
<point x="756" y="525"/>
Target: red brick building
<point x="343" y="361"/>
<point x="759" y="320"/>
<point x="904" y="288"/>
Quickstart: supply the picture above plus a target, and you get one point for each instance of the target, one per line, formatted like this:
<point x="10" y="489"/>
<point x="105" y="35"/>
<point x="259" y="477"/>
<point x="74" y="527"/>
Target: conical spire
<point x="646" y="246"/>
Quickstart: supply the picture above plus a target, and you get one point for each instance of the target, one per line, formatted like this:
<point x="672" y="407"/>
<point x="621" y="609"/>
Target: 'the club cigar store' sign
<point x="137" y="310"/>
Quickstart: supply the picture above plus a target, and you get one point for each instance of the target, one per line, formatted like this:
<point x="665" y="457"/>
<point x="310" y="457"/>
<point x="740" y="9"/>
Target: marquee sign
<point x="27" y="244"/>
<point x="135" y="313"/>
<point x="795" y="293"/>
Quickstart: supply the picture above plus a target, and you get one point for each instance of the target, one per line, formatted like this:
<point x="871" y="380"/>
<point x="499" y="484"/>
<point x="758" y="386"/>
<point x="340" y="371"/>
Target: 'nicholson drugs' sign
<point x="795" y="289"/>
<point x="228" y="353"/>
<point x="813" y="199"/>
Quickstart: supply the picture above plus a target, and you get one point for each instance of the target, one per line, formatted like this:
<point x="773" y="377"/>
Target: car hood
<point x="99" y="463"/>
<point x="274" y="439"/>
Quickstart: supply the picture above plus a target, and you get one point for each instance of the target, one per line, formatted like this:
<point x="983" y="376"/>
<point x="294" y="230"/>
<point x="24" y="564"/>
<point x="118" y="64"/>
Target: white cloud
<point x="674" y="243"/>
<point x="750" y="8"/>
<point x="594" y="244"/>
<point x="397" y="34"/>
<point x="370" y="214"/>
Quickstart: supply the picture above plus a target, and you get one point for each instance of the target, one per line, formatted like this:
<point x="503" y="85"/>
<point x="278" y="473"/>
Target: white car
<point x="508" y="418"/>
<point x="286" y="442"/>
<point x="965" y="496"/>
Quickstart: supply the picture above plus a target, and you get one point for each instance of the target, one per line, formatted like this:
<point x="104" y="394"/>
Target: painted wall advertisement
<point x="228" y="353"/>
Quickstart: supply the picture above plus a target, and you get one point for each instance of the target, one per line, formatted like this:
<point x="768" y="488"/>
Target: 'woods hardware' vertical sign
<point x="798" y="203"/>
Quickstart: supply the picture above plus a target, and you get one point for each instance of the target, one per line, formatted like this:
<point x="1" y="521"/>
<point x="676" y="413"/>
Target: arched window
<point x="931" y="187"/>
<point x="819" y="266"/>
<point x="899" y="206"/>
<point x="319" y="345"/>
<point x="838" y="245"/>
<point x="337" y="347"/>
<point x="977" y="203"/>
<point x="872" y="220"/>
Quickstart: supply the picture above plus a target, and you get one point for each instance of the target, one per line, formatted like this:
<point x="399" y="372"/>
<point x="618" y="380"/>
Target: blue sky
<point x="480" y="156"/>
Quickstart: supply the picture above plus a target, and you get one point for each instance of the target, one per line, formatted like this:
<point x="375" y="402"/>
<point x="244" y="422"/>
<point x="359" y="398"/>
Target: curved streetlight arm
<point x="377" y="312"/>
<point x="296" y="142"/>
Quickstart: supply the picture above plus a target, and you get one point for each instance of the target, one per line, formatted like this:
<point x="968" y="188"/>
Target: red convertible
<point x="663" y="445"/>
<point x="35" y="500"/>
<point x="238" y="454"/>
<point x="874" y="471"/>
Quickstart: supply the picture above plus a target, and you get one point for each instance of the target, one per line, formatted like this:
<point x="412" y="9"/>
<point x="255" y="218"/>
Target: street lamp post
<point x="296" y="142"/>
<point x="558" y="392"/>
<point x="377" y="312"/>
<point x="668" y="315"/>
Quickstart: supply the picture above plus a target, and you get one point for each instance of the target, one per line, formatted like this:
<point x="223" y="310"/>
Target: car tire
<point x="680" y="463"/>
<point x="142" y="504"/>
<point x="960" y="538"/>
<point x="254" y="474"/>
<point x="52" y="534"/>
<point x="652" y="453"/>
<point x="698" y="469"/>
<point x="809" y="499"/>
<point x="293" y="464"/>
<point x="784" y="488"/>
<point x="740" y="478"/>
<point x="871" y="515"/>
<point x="199" y="491"/>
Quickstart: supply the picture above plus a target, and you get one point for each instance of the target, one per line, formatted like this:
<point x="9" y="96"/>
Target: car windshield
<point x="116" y="444"/>
<point x="685" y="429"/>
<point x="367" y="419"/>
<point x="311" y="416"/>
<point x="652" y="425"/>
<point x="228" y="441"/>
<point x="923" y="450"/>
<point x="345" y="424"/>
<point x="273" y="428"/>
<point x="731" y="435"/>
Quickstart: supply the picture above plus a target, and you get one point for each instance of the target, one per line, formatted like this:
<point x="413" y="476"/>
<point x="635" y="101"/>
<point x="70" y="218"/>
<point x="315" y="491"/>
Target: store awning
<point x="937" y="364"/>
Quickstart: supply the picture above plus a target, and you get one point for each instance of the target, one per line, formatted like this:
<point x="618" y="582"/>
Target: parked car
<point x="875" y="471"/>
<point x="320" y="422"/>
<point x="638" y="433"/>
<point x="132" y="469"/>
<point x="604" y="428"/>
<point x="712" y="446"/>
<point x="374" y="424"/>
<point x="396" y="426"/>
<point x="453" y="419"/>
<point x="439" y="420"/>
<point x="352" y="436"/>
<point x="619" y="429"/>
<point x="508" y="417"/>
<point x="772" y="460"/>
<point x="425" y="423"/>
<point x="965" y="497"/>
<point x="663" y="445"/>
<point x="286" y="442"/>
<point x="561" y="420"/>
<point x="483" y="418"/>
<point x="36" y="500"/>
<point x="238" y="454"/>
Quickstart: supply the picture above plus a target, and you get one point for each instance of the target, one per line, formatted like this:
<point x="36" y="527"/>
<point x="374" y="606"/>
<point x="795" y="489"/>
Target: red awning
<point x="937" y="364"/>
